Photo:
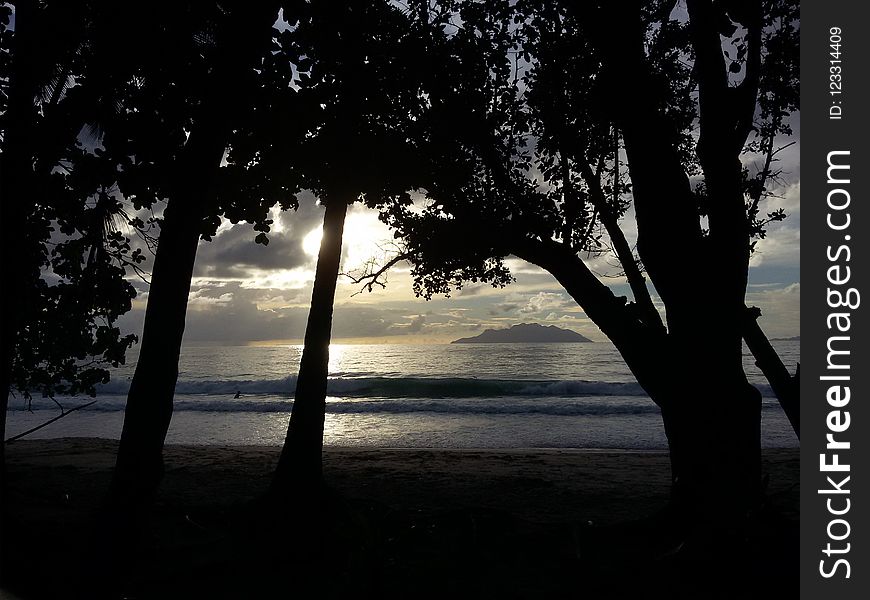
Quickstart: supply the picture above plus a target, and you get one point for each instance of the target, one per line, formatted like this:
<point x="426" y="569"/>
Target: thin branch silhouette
<point x="63" y="414"/>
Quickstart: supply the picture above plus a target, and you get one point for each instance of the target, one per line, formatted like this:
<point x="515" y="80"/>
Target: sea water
<point x="393" y="395"/>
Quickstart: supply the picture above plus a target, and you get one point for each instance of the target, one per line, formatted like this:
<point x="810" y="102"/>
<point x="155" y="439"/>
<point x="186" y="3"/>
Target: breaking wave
<point x="402" y="387"/>
<point x="409" y="387"/>
<point x="394" y="395"/>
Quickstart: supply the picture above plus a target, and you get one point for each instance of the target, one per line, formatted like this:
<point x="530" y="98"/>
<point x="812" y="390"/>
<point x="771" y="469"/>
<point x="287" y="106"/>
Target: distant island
<point x="795" y="338"/>
<point x="525" y="333"/>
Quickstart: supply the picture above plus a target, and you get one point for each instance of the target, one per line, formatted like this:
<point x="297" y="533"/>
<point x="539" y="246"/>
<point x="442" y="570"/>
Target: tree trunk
<point x="714" y="438"/>
<point x="710" y="413"/>
<point x="643" y="347"/>
<point x="646" y="308"/>
<point x="139" y="466"/>
<point x="785" y="386"/>
<point x="300" y="465"/>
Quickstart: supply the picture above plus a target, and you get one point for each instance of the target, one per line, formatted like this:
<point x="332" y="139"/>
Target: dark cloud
<point x="233" y="253"/>
<point x="416" y="324"/>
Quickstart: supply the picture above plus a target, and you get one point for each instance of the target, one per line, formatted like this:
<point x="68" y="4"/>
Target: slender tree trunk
<point x="301" y="463"/>
<point x="139" y="465"/>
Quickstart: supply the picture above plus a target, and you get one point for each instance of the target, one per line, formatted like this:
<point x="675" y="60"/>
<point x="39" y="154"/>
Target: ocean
<point x="406" y="396"/>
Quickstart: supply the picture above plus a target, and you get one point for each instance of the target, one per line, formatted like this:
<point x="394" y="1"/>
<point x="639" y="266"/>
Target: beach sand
<point x="411" y="523"/>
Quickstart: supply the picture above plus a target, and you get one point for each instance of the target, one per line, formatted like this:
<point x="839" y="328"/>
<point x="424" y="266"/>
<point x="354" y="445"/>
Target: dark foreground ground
<point x="395" y="524"/>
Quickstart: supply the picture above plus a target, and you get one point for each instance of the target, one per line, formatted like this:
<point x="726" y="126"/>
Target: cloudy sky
<point x="248" y="293"/>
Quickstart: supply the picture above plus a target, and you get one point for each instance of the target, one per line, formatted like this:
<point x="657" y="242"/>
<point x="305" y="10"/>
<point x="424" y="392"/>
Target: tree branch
<point x="62" y="414"/>
<point x="373" y="277"/>
<point x="665" y="208"/>
<point x="748" y="89"/>
<point x="639" y="345"/>
<point x="765" y="174"/>
<point x="785" y="385"/>
<point x="623" y="251"/>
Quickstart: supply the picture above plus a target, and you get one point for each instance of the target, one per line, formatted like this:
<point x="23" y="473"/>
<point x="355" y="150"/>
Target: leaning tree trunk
<point x="786" y="387"/>
<point x="139" y="466"/>
<point x="300" y="465"/>
<point x="693" y="372"/>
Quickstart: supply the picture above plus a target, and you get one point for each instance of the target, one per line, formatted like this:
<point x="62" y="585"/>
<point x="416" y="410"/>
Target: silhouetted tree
<point x="705" y="337"/>
<point x="200" y="94"/>
<point x="65" y="260"/>
<point x="778" y="99"/>
<point x="63" y="247"/>
<point x="549" y="104"/>
<point x="360" y="146"/>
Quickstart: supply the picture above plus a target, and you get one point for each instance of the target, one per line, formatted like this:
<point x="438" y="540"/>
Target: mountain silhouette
<point x="525" y="333"/>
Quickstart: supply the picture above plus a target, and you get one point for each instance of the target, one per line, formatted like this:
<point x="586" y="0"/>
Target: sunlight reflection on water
<point x="494" y="395"/>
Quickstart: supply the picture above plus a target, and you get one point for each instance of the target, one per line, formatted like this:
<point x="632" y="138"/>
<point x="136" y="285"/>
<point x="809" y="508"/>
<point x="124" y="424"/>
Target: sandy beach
<point x="558" y="513"/>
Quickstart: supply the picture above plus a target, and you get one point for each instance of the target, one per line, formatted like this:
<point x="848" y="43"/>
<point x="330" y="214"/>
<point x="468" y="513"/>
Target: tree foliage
<point x="109" y="115"/>
<point x="565" y="117"/>
<point x="534" y="148"/>
<point x="479" y="130"/>
<point x="66" y="245"/>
